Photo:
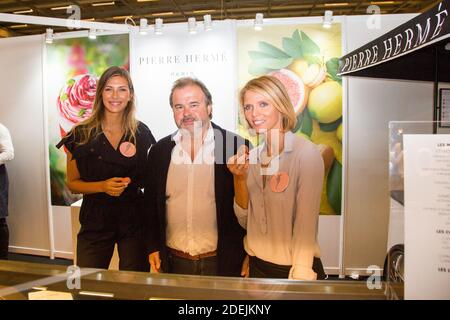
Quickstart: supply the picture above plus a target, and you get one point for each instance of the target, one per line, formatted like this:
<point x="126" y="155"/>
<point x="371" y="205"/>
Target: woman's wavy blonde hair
<point x="90" y="128"/>
<point x="271" y="88"/>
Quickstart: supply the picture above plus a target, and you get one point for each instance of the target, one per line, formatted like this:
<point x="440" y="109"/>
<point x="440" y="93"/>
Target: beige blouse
<point x="282" y="226"/>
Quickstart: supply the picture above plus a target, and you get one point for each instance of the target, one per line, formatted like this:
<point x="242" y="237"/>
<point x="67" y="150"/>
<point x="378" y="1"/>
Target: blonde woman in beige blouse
<point x="278" y="186"/>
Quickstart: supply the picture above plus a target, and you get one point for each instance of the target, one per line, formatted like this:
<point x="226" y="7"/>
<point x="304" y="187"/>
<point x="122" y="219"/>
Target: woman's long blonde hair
<point x="90" y="128"/>
<point x="271" y="88"/>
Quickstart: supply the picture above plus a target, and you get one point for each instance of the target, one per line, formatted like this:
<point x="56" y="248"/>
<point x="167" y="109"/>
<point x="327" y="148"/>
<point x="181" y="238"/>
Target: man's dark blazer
<point x="230" y="251"/>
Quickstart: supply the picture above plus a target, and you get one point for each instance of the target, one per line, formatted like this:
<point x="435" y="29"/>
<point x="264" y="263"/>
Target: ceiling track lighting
<point x="158" y="26"/>
<point x="92" y="34"/>
<point x="160" y="14"/>
<point x="258" y="23"/>
<point x="49" y="36"/>
<point x="143" y="26"/>
<point x="23" y="11"/>
<point x="101" y="4"/>
<point x="192" y="25"/>
<point x="207" y="22"/>
<point x="327" y="19"/>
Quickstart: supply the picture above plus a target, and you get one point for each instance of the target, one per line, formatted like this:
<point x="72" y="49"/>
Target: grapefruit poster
<point x="304" y="57"/>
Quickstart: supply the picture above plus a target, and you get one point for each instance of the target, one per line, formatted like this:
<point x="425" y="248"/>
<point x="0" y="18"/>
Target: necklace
<point x="265" y="160"/>
<point x="265" y="163"/>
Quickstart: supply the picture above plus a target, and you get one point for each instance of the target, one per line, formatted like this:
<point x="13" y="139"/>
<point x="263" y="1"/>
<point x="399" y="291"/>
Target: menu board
<point x="427" y="216"/>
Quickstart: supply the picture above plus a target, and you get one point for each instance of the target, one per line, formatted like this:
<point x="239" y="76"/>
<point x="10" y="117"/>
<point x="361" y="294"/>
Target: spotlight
<point x="158" y="26"/>
<point x="92" y="34"/>
<point x="143" y="26"/>
<point x="258" y="24"/>
<point x="192" y="25"/>
<point x="49" y="36"/>
<point x="327" y="19"/>
<point x="207" y="23"/>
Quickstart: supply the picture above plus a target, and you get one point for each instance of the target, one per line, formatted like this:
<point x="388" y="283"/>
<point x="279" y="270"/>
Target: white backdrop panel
<point x="21" y="110"/>
<point x="157" y="61"/>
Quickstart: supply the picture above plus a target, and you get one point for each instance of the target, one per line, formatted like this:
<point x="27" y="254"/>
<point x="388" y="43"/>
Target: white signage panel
<point x="427" y="216"/>
<point x="158" y="60"/>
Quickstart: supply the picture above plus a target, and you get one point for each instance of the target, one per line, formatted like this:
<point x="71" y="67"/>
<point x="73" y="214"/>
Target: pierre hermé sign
<point x="425" y="29"/>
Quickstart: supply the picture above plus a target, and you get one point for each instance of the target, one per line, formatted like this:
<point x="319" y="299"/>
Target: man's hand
<point x="245" y="271"/>
<point x="155" y="261"/>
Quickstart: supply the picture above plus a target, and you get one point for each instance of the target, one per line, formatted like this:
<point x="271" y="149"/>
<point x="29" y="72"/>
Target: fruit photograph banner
<point x="73" y="68"/>
<point x="304" y="57"/>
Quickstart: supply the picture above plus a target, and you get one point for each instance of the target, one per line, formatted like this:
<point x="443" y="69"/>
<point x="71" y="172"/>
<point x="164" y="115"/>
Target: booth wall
<point x="22" y="111"/>
<point x="372" y="104"/>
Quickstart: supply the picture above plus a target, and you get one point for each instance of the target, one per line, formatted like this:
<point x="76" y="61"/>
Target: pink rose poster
<point x="73" y="68"/>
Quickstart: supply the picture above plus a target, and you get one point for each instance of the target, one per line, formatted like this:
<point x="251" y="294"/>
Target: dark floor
<point x="39" y="259"/>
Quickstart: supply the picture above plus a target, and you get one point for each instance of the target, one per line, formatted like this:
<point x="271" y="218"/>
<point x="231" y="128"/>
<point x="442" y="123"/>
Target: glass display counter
<point x="20" y="280"/>
<point x="418" y="253"/>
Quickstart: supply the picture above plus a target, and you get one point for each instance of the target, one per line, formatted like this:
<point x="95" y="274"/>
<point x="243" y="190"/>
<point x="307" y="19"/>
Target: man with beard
<point x="192" y="227"/>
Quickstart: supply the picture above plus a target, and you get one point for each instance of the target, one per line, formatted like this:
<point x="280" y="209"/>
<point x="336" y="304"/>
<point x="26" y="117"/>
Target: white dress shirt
<point x="282" y="226"/>
<point x="6" y="146"/>
<point x="191" y="205"/>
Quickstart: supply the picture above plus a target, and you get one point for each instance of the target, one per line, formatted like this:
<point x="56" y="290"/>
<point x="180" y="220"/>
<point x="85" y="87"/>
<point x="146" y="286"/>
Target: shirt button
<point x="99" y="157"/>
<point x="92" y="149"/>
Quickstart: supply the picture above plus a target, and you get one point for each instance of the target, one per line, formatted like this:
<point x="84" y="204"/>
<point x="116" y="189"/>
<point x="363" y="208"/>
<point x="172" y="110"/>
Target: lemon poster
<point x="304" y="57"/>
<point x="73" y="68"/>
